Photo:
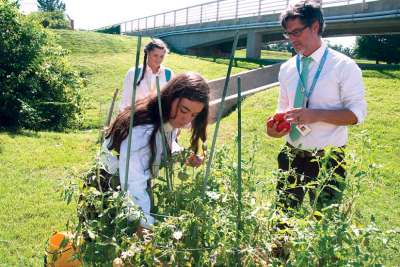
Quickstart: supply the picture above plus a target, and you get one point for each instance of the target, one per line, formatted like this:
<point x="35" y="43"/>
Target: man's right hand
<point x="272" y="130"/>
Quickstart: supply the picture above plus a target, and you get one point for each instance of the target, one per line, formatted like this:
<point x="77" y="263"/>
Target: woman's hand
<point x="142" y="231"/>
<point x="194" y="160"/>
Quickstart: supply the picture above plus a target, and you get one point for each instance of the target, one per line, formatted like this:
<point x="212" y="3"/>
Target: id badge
<point x="303" y="129"/>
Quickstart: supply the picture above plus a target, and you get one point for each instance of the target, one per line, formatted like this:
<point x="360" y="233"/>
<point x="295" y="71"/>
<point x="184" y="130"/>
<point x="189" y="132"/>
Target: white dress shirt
<point x="139" y="172"/>
<point x="339" y="86"/>
<point x="146" y="86"/>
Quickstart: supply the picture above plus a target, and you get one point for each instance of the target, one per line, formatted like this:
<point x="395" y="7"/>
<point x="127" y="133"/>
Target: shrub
<point x="39" y="90"/>
<point x="52" y="20"/>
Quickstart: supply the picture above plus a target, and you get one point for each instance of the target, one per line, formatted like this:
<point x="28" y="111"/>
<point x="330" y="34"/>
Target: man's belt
<point x="301" y="153"/>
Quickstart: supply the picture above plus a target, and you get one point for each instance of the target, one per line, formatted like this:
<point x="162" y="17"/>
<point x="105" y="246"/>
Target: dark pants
<point x="323" y="179"/>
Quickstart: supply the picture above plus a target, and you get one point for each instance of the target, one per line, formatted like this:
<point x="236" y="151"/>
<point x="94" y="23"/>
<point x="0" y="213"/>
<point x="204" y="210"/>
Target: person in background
<point x="154" y="55"/>
<point x="185" y="99"/>
<point x="321" y="94"/>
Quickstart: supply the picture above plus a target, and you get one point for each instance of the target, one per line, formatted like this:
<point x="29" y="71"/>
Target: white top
<point x="147" y="85"/>
<point x="339" y="86"/>
<point x="139" y="172"/>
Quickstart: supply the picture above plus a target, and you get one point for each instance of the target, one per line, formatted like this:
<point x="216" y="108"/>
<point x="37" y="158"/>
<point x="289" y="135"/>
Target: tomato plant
<point x="199" y="229"/>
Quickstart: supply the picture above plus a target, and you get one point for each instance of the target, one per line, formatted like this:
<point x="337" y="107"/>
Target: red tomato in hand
<point x="279" y="117"/>
<point x="285" y="125"/>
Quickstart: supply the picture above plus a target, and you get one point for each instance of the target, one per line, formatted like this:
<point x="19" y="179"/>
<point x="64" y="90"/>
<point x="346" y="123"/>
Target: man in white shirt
<point x="321" y="93"/>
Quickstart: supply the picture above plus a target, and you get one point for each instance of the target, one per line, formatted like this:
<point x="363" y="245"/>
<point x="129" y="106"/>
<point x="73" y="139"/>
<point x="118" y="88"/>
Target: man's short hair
<point x="307" y="11"/>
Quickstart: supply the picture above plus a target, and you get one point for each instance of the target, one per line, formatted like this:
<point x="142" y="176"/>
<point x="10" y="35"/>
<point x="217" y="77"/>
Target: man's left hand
<point x="308" y="115"/>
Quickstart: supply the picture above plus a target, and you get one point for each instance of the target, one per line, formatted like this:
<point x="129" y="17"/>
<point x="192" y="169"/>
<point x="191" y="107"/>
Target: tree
<point x="38" y="88"/>
<point x="342" y="49"/>
<point x="384" y="48"/>
<point x="52" y="20"/>
<point x="51" y="5"/>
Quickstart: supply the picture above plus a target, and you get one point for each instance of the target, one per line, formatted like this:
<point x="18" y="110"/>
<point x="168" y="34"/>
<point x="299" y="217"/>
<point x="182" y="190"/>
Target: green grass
<point x="33" y="165"/>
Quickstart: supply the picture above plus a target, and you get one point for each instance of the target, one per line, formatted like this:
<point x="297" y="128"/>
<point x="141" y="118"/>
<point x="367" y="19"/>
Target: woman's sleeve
<point x="138" y="173"/>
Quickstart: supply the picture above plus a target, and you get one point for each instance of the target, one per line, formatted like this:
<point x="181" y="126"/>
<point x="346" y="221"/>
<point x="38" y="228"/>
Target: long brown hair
<point x="153" y="44"/>
<point x="188" y="85"/>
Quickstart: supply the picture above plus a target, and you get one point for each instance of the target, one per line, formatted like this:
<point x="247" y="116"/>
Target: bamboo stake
<point x="221" y="106"/>
<point x="239" y="169"/>
<point x="111" y="110"/>
<point x="109" y="116"/>
<point x="163" y="137"/>
<point x="139" y="42"/>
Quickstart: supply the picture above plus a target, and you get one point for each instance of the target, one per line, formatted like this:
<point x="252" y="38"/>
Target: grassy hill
<point x="105" y="59"/>
<point x="33" y="164"/>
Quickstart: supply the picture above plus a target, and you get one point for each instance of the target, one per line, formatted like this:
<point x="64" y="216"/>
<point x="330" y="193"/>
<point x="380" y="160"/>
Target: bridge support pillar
<point x="253" y="48"/>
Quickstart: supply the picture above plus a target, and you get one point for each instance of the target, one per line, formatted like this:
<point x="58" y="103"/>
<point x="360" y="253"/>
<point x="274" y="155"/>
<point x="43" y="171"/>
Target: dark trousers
<point x="304" y="176"/>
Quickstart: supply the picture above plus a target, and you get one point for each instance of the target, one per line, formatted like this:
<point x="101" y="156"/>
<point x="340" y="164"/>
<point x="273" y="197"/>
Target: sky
<point x="92" y="14"/>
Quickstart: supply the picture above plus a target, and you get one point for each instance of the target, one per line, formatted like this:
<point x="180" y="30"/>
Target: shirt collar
<point x="149" y="70"/>
<point x="317" y="55"/>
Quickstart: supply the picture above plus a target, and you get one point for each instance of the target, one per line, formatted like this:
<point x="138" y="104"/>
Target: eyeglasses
<point x="295" y="33"/>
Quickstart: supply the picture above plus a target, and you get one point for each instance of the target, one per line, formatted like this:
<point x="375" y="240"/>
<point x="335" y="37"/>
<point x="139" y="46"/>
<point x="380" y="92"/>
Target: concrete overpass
<point x="208" y="29"/>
